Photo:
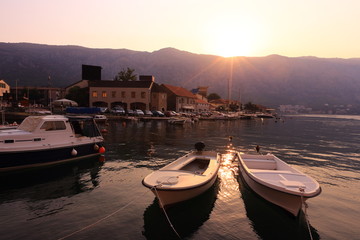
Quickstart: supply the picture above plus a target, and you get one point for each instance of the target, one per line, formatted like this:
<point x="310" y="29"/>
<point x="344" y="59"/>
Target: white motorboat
<point x="177" y="121"/>
<point x="45" y="140"/>
<point x="185" y="178"/>
<point x="100" y="118"/>
<point x="276" y="181"/>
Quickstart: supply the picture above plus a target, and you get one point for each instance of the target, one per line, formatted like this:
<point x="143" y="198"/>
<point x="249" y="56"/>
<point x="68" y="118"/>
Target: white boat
<point x="177" y="121"/>
<point x="100" y="118"/>
<point x="185" y="178"/>
<point x="46" y="140"/>
<point x="276" y="181"/>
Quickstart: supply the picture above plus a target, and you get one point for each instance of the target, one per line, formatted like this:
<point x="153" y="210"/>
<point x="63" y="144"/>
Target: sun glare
<point x="229" y="38"/>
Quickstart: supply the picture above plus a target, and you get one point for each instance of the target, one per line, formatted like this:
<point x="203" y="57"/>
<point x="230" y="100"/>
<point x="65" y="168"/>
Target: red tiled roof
<point x="179" y="91"/>
<point x="201" y="101"/>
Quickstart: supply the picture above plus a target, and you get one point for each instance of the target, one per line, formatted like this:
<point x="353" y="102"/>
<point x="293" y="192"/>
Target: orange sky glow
<point x="321" y="28"/>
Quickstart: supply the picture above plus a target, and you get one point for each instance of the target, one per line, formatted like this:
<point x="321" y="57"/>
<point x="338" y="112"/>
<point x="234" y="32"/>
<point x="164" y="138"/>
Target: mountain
<point x="270" y="80"/>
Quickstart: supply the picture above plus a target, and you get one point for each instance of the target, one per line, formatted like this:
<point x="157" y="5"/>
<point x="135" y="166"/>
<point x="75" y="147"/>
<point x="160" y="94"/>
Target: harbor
<point x="106" y="199"/>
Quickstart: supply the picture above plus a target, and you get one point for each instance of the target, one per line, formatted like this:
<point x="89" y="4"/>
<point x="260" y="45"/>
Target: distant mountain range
<point x="270" y="80"/>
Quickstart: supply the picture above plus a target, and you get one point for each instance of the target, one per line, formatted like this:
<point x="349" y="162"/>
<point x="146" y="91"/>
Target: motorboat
<point x="184" y="178"/>
<point x="177" y="121"/>
<point x="49" y="139"/>
<point x="100" y="118"/>
<point x="276" y="181"/>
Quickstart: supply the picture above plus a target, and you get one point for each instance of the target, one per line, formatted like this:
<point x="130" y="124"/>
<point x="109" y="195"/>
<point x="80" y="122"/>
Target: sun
<point x="232" y="45"/>
<point x="231" y="38"/>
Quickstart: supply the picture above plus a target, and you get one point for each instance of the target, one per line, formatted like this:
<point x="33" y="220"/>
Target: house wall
<point x="4" y="88"/>
<point x="129" y="96"/>
<point x="185" y="104"/>
<point x="158" y="101"/>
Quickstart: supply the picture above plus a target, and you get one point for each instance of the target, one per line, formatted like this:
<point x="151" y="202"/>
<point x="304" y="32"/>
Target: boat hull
<point x="168" y="197"/>
<point x="184" y="178"/>
<point x="289" y="202"/>
<point x="12" y="161"/>
<point x="288" y="197"/>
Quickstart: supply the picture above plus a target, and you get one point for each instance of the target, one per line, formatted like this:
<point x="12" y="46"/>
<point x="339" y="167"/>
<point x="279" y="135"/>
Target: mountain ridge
<point x="271" y="80"/>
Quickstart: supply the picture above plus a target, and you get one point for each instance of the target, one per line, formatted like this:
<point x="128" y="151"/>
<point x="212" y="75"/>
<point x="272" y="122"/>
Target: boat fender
<point x="96" y="147"/>
<point x="102" y="158"/>
<point x="101" y="150"/>
<point x="73" y="152"/>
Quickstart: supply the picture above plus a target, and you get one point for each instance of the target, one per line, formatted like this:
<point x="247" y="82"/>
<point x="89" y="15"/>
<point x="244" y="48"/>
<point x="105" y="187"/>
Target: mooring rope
<point x="162" y="207"/>
<point x="303" y="203"/>
<point x="102" y="219"/>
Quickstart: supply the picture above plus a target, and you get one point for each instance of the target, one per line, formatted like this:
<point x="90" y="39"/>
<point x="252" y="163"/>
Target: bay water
<point x="103" y="198"/>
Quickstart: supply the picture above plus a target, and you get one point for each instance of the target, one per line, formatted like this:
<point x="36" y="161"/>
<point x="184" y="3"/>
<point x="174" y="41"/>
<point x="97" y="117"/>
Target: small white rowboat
<point x="185" y="178"/>
<point x="276" y="181"/>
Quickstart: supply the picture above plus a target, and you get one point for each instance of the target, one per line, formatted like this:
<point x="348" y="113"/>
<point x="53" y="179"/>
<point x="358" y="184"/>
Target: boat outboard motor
<point x="199" y="146"/>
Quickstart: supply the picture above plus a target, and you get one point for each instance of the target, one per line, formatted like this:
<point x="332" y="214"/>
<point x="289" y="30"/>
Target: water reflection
<point x="52" y="182"/>
<point x="272" y="222"/>
<point x="186" y="217"/>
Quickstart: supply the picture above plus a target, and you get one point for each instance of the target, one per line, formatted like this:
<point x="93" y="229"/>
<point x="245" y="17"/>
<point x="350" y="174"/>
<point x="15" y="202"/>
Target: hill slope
<point x="270" y="80"/>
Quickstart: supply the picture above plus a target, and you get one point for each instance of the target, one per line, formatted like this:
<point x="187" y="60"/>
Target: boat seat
<point x="260" y="164"/>
<point x="268" y="171"/>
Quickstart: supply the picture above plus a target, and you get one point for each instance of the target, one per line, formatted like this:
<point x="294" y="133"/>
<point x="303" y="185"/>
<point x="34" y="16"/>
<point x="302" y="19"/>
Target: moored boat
<point x="276" y="181"/>
<point x="185" y="178"/>
<point x="100" y="118"/>
<point x="46" y="140"/>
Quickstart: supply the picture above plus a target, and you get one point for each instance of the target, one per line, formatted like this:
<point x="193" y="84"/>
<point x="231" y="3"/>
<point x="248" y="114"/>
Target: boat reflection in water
<point x="186" y="217"/>
<point x="53" y="182"/>
<point x="272" y="222"/>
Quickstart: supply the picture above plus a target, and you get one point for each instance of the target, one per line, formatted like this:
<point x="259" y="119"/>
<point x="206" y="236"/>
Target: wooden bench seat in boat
<point x="281" y="178"/>
<point x="260" y="164"/>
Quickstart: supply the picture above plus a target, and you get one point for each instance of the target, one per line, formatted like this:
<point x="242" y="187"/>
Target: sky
<point x="293" y="28"/>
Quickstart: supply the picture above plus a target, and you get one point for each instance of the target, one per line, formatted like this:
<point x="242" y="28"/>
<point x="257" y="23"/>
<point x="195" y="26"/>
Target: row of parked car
<point x="137" y="112"/>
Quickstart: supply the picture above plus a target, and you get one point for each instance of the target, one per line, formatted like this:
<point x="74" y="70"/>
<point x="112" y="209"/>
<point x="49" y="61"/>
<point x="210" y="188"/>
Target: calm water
<point x="93" y="200"/>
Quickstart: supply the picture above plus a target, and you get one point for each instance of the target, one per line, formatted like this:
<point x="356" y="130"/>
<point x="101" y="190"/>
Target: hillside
<point x="270" y="80"/>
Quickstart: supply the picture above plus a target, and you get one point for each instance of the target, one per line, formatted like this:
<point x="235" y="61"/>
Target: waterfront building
<point x="142" y="94"/>
<point x="180" y="99"/>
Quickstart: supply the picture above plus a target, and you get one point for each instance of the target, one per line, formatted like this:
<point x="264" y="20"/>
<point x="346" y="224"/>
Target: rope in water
<point x="303" y="203"/>
<point x="162" y="207"/>
<point x="102" y="219"/>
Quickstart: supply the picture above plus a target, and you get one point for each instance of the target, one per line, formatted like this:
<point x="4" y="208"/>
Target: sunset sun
<point x="229" y="37"/>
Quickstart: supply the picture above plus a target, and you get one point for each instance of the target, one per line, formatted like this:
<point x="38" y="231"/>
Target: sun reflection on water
<point x="227" y="173"/>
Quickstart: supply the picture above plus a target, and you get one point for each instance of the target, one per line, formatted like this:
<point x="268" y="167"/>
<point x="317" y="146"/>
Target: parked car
<point x="118" y="111"/>
<point x="138" y="112"/>
<point x="130" y="112"/>
<point x="104" y="110"/>
<point x="148" y="113"/>
<point x="158" y="114"/>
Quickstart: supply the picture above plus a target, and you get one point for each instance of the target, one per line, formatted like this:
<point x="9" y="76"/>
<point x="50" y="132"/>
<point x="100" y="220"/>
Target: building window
<point x="104" y="95"/>
<point x="94" y="94"/>
<point x="133" y="95"/>
<point x="113" y="94"/>
<point x="143" y="94"/>
<point x="123" y="95"/>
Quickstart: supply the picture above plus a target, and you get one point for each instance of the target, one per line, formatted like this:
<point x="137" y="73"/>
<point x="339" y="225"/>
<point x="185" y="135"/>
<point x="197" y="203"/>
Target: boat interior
<point x="263" y="164"/>
<point x="198" y="165"/>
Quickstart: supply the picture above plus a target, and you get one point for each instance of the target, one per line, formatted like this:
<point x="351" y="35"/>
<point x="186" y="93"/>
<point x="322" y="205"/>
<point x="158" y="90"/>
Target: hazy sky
<point x="322" y="28"/>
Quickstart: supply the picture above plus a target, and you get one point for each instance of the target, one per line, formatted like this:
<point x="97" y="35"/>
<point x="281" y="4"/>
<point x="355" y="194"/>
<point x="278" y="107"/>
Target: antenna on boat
<point x="199" y="146"/>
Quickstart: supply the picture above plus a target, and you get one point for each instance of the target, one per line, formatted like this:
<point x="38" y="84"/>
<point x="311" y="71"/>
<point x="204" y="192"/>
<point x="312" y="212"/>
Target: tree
<point x="126" y="75"/>
<point x="213" y="96"/>
<point x="251" y="107"/>
<point x="79" y="95"/>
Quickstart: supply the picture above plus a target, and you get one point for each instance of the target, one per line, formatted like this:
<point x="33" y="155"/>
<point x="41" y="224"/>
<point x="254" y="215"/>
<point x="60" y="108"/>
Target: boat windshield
<point x="29" y="124"/>
<point x="85" y="127"/>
